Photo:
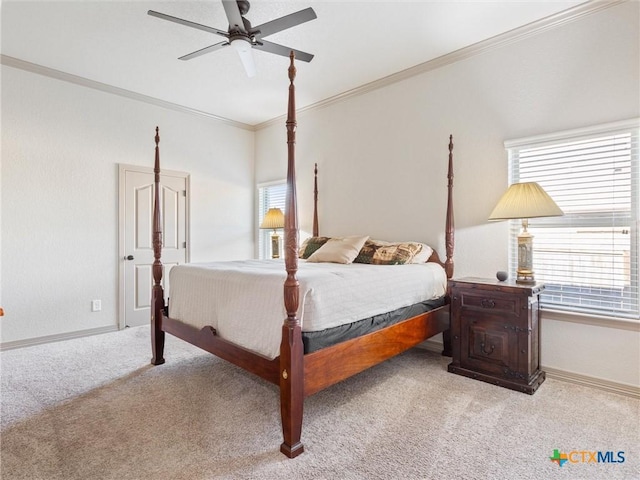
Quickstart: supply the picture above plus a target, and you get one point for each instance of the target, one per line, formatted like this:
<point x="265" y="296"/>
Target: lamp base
<point x="525" y="277"/>
<point x="524" y="273"/>
<point x="275" y="246"/>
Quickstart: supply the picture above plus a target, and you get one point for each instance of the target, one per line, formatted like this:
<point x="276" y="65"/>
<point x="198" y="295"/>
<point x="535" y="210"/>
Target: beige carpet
<point x="93" y="408"/>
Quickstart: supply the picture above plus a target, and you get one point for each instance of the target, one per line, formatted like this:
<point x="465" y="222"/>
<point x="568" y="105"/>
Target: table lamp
<point x="524" y="201"/>
<point x="273" y="220"/>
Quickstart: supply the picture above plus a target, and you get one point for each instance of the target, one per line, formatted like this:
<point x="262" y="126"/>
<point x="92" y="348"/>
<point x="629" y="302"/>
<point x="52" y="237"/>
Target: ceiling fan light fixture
<point x="242" y="45"/>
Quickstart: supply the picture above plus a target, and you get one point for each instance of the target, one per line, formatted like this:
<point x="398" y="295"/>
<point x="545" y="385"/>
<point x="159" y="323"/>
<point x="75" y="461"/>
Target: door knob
<point x="129" y="257"/>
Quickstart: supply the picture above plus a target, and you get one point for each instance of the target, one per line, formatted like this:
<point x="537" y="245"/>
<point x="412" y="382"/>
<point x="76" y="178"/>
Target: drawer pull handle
<point x="487" y="303"/>
<point x="484" y="350"/>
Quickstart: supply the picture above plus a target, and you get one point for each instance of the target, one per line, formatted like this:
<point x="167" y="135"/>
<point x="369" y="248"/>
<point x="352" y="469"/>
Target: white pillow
<point x="423" y="255"/>
<point x="339" y="250"/>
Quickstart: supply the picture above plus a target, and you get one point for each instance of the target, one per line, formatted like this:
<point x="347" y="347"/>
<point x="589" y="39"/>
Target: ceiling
<point x="354" y="42"/>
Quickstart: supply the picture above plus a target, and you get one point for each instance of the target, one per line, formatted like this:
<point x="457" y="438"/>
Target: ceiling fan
<point x="243" y="37"/>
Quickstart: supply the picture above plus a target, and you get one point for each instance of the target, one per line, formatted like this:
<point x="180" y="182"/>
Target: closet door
<point x="136" y="259"/>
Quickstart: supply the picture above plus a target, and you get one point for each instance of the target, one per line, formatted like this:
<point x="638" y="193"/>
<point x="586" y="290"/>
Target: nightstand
<point x="495" y="334"/>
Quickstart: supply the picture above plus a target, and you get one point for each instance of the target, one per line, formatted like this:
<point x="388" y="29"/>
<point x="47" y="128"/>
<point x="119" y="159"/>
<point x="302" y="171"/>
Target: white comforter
<point x="244" y="300"/>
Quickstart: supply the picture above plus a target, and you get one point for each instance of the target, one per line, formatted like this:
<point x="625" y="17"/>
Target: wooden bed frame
<point x="299" y="375"/>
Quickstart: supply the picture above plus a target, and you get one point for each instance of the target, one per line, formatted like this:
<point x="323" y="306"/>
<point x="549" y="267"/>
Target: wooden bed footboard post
<point x="449" y="241"/>
<point x="291" y="349"/>
<point x="157" y="293"/>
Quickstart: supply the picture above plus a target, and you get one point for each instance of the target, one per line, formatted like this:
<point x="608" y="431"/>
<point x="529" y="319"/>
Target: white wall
<point x="382" y="155"/>
<point x="61" y="146"/>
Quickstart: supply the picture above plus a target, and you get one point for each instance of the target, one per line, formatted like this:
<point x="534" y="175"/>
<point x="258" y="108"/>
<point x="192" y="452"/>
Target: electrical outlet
<point x="96" y="305"/>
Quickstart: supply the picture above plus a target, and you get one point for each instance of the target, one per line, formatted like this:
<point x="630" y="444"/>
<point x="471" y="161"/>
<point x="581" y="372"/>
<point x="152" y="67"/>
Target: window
<point x="587" y="258"/>
<point x="270" y="195"/>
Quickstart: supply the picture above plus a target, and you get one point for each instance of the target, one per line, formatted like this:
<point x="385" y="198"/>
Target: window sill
<point x="596" y="320"/>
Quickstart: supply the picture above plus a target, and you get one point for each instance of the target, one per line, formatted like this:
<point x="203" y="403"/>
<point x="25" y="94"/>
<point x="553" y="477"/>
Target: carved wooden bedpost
<point x="449" y="241"/>
<point x="315" y="200"/>
<point x="291" y="349"/>
<point x="157" y="293"/>
<point x="449" y="226"/>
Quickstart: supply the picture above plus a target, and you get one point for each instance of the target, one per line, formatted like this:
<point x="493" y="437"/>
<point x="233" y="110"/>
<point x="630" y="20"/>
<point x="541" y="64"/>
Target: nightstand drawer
<point x="489" y="303"/>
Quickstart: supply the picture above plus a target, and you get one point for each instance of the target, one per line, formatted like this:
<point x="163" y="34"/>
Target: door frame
<point x="122" y="171"/>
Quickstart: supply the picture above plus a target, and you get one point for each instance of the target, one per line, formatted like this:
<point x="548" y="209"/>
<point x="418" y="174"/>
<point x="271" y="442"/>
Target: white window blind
<point x="587" y="258"/>
<point x="270" y="195"/>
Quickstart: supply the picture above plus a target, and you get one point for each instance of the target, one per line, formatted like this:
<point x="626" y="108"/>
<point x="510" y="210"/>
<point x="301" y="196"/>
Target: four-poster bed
<point x="300" y="374"/>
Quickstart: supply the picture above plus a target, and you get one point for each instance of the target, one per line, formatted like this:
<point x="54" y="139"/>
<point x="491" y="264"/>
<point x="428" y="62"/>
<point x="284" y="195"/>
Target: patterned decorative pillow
<point x="310" y="245"/>
<point x="339" y="250"/>
<point x="378" y="252"/>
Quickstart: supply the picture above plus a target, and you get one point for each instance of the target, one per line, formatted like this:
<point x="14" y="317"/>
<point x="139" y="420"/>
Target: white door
<point x="137" y="191"/>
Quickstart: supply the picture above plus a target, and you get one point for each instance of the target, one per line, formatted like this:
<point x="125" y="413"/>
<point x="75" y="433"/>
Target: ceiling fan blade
<point x="288" y="21"/>
<point x="233" y="15"/>
<point x="282" y="50"/>
<point x="187" y="23"/>
<point x="243" y="47"/>
<point x="202" y="51"/>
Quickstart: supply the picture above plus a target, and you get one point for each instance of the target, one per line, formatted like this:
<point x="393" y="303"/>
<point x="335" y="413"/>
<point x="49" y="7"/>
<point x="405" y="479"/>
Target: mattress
<point x="244" y="300"/>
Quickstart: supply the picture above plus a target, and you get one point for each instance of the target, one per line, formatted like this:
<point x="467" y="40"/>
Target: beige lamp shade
<point x="525" y="200"/>
<point x="273" y="219"/>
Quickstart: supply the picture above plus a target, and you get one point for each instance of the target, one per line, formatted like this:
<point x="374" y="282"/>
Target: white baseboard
<point x="565" y="376"/>
<point x="600" y="383"/>
<point x="29" y="342"/>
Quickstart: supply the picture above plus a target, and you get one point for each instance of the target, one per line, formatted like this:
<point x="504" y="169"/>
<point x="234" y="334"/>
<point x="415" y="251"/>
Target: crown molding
<point x="103" y="87"/>
<point x="512" y="36"/>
